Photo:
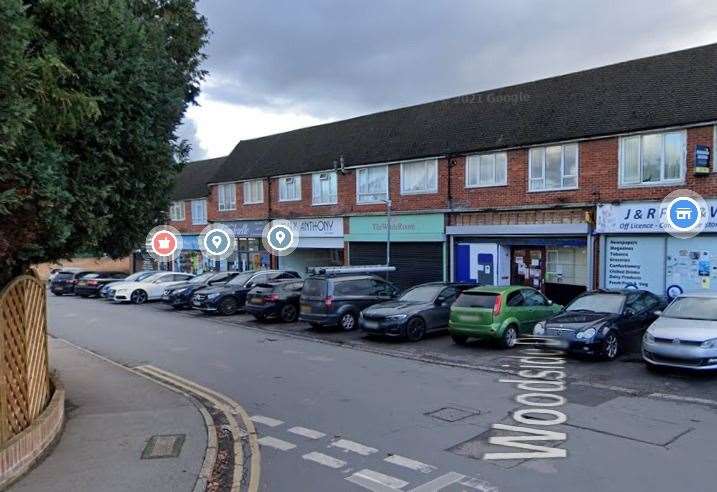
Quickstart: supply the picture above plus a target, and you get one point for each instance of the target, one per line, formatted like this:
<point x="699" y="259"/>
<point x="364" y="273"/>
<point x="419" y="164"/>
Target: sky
<point x="275" y="65"/>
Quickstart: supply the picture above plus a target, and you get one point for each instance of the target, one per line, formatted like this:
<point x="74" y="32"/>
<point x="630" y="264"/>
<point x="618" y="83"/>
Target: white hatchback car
<point x="685" y="334"/>
<point x="148" y="289"/>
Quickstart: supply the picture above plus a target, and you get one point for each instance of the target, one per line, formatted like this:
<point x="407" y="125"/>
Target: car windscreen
<point x="91" y="275"/>
<point x="241" y="279"/>
<point x="138" y="276"/>
<point x="698" y="308"/>
<point x="65" y="275"/>
<point x="426" y="293"/>
<point x="153" y="277"/>
<point x="204" y="277"/>
<point x="599" y="303"/>
<point x="476" y="300"/>
<point x="314" y="287"/>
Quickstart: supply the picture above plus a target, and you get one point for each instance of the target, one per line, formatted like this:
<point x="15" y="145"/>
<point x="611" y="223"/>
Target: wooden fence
<point x="24" y="372"/>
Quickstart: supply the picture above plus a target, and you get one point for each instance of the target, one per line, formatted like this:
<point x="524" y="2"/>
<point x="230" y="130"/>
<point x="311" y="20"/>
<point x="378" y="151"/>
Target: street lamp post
<point x="388" y="235"/>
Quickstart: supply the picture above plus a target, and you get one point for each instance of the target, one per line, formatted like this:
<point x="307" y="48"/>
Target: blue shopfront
<point x="250" y="254"/>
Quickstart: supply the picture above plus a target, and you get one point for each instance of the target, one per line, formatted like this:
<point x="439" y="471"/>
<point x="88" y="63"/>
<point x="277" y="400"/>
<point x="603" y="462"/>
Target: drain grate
<point x="168" y="446"/>
<point x="452" y="414"/>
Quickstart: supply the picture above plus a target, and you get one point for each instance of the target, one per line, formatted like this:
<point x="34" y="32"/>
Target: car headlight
<point x="397" y="317"/>
<point x="539" y="328"/>
<point x="179" y="291"/>
<point x="213" y="295"/>
<point x="586" y="334"/>
<point x="649" y="337"/>
<point x="121" y="292"/>
<point x="709" y="344"/>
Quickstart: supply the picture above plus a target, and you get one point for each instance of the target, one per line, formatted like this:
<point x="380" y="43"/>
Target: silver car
<point x="685" y="334"/>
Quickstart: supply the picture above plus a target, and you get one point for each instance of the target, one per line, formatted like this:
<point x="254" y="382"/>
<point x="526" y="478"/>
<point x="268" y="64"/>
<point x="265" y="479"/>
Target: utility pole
<point x="388" y="235"/>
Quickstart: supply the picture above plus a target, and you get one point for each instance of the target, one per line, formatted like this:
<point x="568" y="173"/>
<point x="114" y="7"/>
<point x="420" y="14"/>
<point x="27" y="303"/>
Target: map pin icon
<point x="280" y="236"/>
<point x="216" y="241"/>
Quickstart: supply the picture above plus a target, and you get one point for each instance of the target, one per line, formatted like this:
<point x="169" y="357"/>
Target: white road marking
<point x="409" y="463"/>
<point x="439" y="483"/>
<point x="480" y="485"/>
<point x="304" y="432"/>
<point x="375" y="481"/>
<point x="260" y="419"/>
<point x="664" y="396"/>
<point x="347" y="445"/>
<point x="324" y="459"/>
<point x="275" y="443"/>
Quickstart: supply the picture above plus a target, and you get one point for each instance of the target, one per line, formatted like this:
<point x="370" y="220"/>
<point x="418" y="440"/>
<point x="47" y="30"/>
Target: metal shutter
<point x="415" y="263"/>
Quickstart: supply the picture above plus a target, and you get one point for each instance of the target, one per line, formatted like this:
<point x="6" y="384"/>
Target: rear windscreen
<point x="314" y="287"/>
<point x="476" y="300"/>
<point x="65" y="275"/>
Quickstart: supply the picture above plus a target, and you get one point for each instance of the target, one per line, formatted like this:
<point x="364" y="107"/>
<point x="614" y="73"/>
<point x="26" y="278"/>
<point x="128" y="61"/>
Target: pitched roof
<point x="193" y="179"/>
<point x="665" y="90"/>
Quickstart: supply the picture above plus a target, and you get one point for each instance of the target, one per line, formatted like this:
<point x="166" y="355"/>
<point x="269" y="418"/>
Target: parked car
<point x="65" y="280"/>
<point x="417" y="311"/>
<point x="498" y="313"/>
<point x="52" y="274"/>
<point x="90" y="284"/>
<point x="604" y="322"/>
<point x="685" y="334"/>
<point x="179" y="296"/>
<point x="134" y="277"/>
<point x="230" y="298"/>
<point x="278" y="299"/>
<point x="337" y="300"/>
<point x="148" y="289"/>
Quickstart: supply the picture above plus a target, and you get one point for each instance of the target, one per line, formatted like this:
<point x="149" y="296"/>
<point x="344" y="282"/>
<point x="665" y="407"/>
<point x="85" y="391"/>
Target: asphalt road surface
<point x="335" y="412"/>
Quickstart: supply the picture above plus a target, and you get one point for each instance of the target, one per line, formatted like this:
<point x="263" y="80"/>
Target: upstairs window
<point x="554" y="168"/>
<point x="323" y="188"/>
<point x="372" y="184"/>
<point x="419" y="177"/>
<point x="290" y="189"/>
<point x="227" y="197"/>
<point x="487" y="170"/>
<point x="253" y="191"/>
<point x="199" y="212"/>
<point x="656" y="158"/>
<point x="176" y="211"/>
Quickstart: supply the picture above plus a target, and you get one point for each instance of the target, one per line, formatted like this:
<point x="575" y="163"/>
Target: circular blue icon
<point x="684" y="213"/>
<point x="280" y="237"/>
<point x="217" y="242"/>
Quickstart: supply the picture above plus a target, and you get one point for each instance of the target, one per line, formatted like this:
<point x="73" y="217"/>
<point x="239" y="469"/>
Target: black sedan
<point x="414" y="313"/>
<point x="91" y="284"/>
<point x="230" y="298"/>
<point x="179" y="296"/>
<point x="64" y="281"/>
<point x="602" y="323"/>
<point x="275" y="299"/>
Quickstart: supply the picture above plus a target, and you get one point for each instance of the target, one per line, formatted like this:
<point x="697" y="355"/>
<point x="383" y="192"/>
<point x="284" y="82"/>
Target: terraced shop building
<point x="498" y="187"/>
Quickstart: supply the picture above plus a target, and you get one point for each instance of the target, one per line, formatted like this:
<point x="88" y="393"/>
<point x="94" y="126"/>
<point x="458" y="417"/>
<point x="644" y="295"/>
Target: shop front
<point x="191" y="259"/>
<point x="550" y="250"/>
<point x="417" y="247"/>
<point x="321" y="243"/>
<point x="636" y="252"/>
<point x="250" y="254"/>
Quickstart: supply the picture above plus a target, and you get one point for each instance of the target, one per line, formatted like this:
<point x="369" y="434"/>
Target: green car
<point x="498" y="313"/>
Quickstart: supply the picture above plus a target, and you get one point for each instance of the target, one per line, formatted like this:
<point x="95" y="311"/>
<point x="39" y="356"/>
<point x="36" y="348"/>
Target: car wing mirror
<point x="550" y="303"/>
<point x="440" y="300"/>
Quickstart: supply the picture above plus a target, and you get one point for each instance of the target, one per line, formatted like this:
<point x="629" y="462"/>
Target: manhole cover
<point x="168" y="446"/>
<point x="452" y="414"/>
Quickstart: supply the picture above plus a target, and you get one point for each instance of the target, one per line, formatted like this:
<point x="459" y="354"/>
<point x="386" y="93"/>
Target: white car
<point x="148" y="289"/>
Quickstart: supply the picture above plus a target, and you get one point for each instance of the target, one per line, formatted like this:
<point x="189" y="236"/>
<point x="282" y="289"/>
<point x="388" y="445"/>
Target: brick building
<point x="512" y="185"/>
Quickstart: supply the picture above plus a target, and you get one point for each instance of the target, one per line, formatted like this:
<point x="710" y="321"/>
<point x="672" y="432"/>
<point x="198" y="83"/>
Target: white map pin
<point x="280" y="235"/>
<point x="216" y="241"/>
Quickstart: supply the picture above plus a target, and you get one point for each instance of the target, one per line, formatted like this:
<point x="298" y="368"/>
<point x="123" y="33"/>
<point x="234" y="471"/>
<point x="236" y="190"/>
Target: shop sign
<point x="635" y="263"/>
<point x="246" y="228"/>
<point x="331" y="227"/>
<point x="190" y="242"/>
<point x="642" y="217"/>
<point x="702" y="160"/>
<point x="407" y="228"/>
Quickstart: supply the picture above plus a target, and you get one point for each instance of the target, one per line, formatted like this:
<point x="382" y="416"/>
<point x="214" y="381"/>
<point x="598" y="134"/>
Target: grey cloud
<point x="334" y="59"/>
<point x="188" y="131"/>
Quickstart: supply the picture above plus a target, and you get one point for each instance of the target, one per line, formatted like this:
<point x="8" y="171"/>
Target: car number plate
<point x="305" y="308"/>
<point x="257" y="300"/>
<point x="371" y="325"/>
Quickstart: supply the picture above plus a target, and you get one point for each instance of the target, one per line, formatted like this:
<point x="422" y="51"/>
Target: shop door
<point x="527" y="266"/>
<point x="415" y="263"/>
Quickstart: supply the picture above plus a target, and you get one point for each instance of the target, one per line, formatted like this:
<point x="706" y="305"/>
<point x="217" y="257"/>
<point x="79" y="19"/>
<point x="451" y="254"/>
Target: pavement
<point x="111" y="414"/>
<point x="334" y="411"/>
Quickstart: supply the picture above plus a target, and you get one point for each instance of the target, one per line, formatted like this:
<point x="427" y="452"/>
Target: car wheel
<point x="228" y="306"/>
<point x="612" y="347"/>
<point x="289" y="313"/>
<point x="138" y="297"/>
<point x="459" y="339"/>
<point x="348" y="321"/>
<point x="509" y="338"/>
<point x="415" y="329"/>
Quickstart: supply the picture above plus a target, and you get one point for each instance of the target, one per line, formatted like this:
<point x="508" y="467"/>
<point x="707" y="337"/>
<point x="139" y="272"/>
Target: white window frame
<point x="177" y="206"/>
<point x="361" y="201"/>
<point x="563" y="176"/>
<point x="426" y="162"/>
<point x="283" y="182"/>
<point x="663" y="181"/>
<point x="247" y="185"/>
<point x="474" y="160"/>
<point x="199" y="220"/>
<point x="317" y="199"/>
<point x="224" y="202"/>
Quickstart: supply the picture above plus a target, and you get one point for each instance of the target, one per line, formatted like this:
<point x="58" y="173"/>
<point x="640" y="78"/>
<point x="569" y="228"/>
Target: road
<point x="335" y="412"/>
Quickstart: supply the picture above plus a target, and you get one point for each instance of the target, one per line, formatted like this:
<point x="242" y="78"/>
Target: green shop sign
<point x="406" y="228"/>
